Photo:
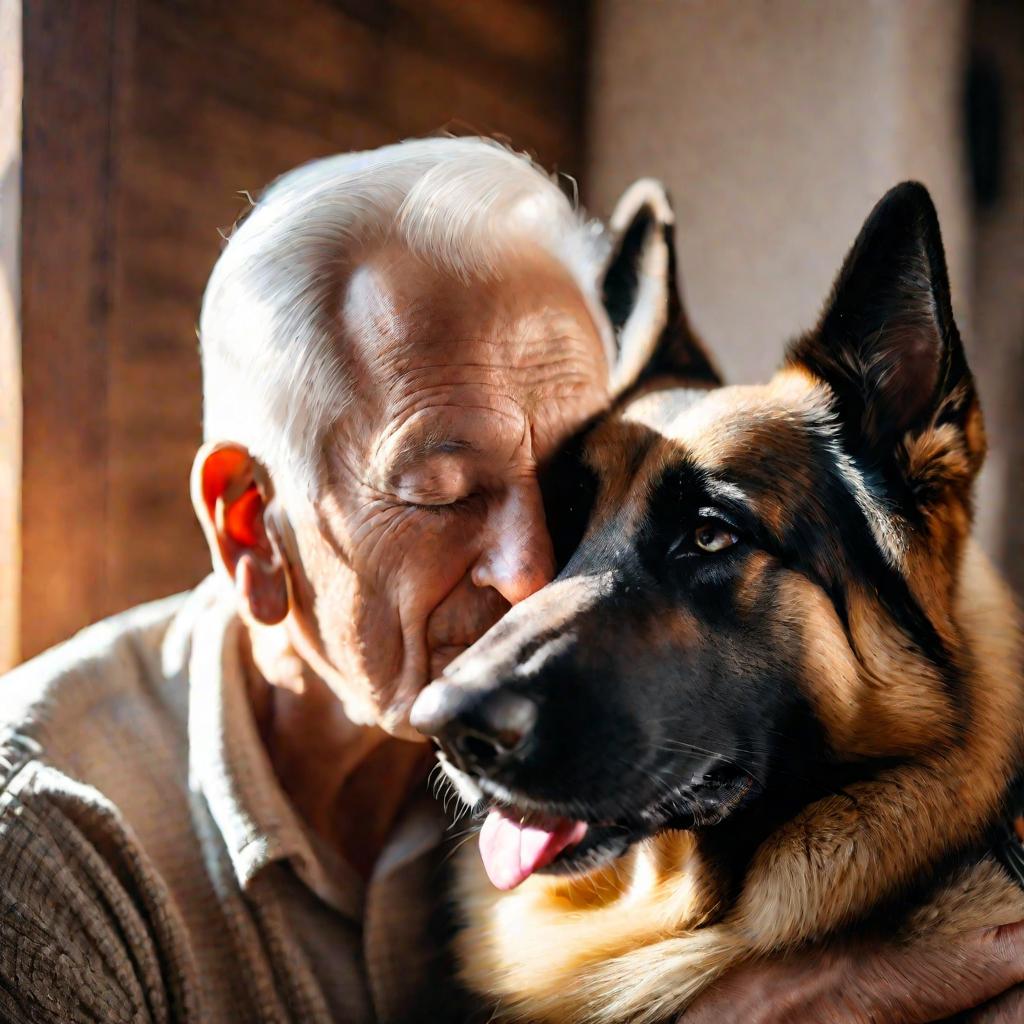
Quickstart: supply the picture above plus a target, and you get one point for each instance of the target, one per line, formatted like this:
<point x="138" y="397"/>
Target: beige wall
<point x="777" y="124"/>
<point x="997" y="37"/>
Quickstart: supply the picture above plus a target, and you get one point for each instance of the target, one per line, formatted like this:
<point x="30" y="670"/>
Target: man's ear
<point x="888" y="346"/>
<point x="230" y="492"/>
<point x="640" y="292"/>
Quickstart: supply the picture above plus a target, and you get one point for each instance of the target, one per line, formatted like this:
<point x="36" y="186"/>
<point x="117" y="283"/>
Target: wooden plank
<point x="68" y="177"/>
<point x="10" y="332"/>
<point x="522" y="49"/>
<point x="303" y="46"/>
<point x="427" y="94"/>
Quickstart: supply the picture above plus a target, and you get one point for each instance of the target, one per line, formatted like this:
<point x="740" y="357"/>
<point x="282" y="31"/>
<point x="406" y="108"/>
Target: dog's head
<point x="757" y="582"/>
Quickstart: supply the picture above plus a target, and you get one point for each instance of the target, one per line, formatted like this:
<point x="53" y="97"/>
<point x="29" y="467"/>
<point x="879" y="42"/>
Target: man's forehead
<point x="448" y="367"/>
<point x="396" y="306"/>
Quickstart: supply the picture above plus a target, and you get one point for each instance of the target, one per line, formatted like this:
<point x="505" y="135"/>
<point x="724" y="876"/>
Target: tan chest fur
<point x="550" y="955"/>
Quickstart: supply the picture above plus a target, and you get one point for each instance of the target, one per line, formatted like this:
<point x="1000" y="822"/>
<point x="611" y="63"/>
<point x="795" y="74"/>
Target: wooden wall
<point x="143" y="121"/>
<point x="10" y="348"/>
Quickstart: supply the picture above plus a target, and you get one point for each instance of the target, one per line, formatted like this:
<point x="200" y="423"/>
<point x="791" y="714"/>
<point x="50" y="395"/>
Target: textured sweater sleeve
<point x="80" y="938"/>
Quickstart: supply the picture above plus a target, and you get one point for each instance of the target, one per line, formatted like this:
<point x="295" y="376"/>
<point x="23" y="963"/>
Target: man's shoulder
<point x="96" y="824"/>
<point x="59" y="743"/>
<point x="75" y="882"/>
<point x="101" y="689"/>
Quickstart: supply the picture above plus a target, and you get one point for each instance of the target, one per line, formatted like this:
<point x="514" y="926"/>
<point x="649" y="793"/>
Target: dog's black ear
<point x="641" y="295"/>
<point x="887" y="343"/>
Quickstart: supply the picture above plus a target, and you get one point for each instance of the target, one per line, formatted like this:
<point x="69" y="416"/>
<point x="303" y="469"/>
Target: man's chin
<point x="395" y="722"/>
<point x="395" y="718"/>
<point x="393" y="715"/>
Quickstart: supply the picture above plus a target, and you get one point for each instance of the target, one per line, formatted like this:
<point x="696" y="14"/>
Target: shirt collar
<point x="229" y="765"/>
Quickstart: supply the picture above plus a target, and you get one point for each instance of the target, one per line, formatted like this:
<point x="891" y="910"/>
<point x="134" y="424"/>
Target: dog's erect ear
<point x="887" y="343"/>
<point x="641" y="295"/>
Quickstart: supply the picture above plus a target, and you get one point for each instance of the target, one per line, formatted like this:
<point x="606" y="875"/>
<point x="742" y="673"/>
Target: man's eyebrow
<point x="417" y="449"/>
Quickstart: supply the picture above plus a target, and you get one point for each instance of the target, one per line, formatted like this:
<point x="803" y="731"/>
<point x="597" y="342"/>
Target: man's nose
<point x="480" y="731"/>
<point x="517" y="558"/>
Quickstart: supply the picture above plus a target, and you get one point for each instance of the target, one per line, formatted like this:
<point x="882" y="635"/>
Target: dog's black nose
<point x="480" y="731"/>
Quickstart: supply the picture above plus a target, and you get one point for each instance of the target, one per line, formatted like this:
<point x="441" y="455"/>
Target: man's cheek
<point x="427" y="579"/>
<point x="379" y="641"/>
<point x="459" y="621"/>
<point x="407" y="550"/>
<point x="466" y="613"/>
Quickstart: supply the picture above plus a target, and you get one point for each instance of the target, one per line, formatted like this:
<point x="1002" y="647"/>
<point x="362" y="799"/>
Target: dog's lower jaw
<point x="606" y="930"/>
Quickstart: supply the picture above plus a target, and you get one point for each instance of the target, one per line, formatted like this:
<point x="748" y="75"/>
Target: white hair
<point x="272" y="377"/>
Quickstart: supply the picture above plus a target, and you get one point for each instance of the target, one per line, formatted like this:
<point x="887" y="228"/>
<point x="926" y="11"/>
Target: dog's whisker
<point x="462" y="841"/>
<point x="670" y="745"/>
<point x="675" y="746"/>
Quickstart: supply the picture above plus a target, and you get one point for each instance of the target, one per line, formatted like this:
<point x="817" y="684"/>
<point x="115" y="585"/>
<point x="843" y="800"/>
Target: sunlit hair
<point x="272" y="376"/>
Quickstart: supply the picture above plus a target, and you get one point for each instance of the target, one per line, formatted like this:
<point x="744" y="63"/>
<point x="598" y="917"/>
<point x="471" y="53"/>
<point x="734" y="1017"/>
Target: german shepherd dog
<point x="775" y="693"/>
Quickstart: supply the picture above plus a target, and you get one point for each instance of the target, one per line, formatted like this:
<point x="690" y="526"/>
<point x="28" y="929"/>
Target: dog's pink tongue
<point x="512" y="851"/>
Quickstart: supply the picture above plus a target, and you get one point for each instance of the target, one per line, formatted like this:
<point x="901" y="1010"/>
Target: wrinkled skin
<point x="431" y="524"/>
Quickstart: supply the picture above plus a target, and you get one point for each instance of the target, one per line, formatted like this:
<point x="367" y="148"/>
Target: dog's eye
<point x="712" y="537"/>
<point x="709" y="536"/>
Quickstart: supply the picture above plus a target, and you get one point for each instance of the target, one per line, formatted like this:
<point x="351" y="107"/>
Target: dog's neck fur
<point x="638" y="939"/>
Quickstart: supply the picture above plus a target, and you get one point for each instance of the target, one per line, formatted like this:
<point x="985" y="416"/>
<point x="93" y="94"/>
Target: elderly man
<point x="210" y="807"/>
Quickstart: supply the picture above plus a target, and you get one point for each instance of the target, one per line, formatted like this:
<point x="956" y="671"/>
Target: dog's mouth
<point x="520" y="838"/>
<point x="514" y="845"/>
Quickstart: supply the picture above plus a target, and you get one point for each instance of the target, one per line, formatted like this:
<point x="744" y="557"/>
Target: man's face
<point x="430" y="524"/>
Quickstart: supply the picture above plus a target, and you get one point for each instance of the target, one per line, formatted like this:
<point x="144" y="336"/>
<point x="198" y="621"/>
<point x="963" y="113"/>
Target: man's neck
<point x="348" y="782"/>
